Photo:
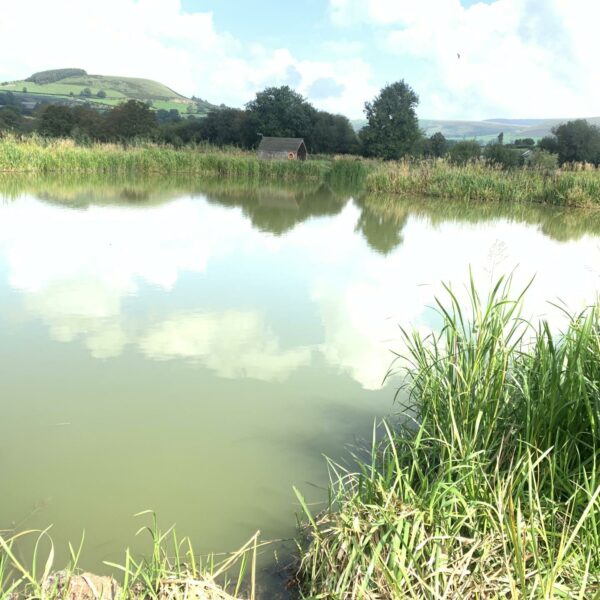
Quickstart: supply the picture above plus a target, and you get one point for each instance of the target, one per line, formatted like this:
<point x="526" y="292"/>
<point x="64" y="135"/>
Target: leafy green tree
<point x="185" y="131"/>
<point x="392" y="129"/>
<point x="502" y="155"/>
<point x="524" y="143"/>
<point x="101" y="94"/>
<point x="332" y="134"/>
<point x="438" y="145"/>
<point x="549" y="144"/>
<point x="229" y="127"/>
<point x="86" y="93"/>
<point x="281" y="112"/>
<point x="130" y="120"/>
<point x="56" y="120"/>
<point x="89" y="124"/>
<point x="578" y="141"/>
<point x="10" y="119"/>
<point x="465" y="151"/>
<point x="168" y="116"/>
<point x="542" y="160"/>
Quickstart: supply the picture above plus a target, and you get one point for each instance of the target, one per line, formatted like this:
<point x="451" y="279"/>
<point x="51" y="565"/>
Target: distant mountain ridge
<point x="489" y="129"/>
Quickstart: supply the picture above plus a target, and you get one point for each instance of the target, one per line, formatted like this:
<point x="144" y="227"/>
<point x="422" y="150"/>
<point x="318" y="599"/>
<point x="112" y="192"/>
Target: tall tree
<point x="56" y="120"/>
<point x="578" y="141"/>
<point x="438" y="144"/>
<point x="332" y="134"/>
<point x="392" y="128"/>
<point x="281" y="112"/>
<point x="131" y="119"/>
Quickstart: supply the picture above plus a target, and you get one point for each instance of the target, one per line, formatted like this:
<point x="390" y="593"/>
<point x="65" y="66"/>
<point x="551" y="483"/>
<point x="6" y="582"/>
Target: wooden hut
<point x="276" y="148"/>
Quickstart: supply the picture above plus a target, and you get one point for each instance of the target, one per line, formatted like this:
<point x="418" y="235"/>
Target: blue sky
<point x="518" y="58"/>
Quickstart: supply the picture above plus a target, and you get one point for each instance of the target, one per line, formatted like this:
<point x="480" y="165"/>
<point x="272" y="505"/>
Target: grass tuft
<point x="171" y="571"/>
<point x="490" y="486"/>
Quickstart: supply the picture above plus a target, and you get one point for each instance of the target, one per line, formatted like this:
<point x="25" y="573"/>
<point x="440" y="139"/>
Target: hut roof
<point x="280" y="144"/>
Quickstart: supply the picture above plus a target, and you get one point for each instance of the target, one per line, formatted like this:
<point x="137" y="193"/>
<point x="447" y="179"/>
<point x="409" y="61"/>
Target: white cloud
<point x="232" y="343"/>
<point x="156" y="39"/>
<point x="528" y="58"/>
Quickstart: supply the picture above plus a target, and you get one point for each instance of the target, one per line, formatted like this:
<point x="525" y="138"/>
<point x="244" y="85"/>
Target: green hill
<point x="77" y="86"/>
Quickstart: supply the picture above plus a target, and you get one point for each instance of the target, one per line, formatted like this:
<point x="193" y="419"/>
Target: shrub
<point x="464" y="152"/>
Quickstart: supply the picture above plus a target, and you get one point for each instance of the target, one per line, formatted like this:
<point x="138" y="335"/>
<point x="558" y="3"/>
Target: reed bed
<point x="65" y="156"/>
<point x="489" y="488"/>
<point x="171" y="571"/>
<point x="484" y="182"/>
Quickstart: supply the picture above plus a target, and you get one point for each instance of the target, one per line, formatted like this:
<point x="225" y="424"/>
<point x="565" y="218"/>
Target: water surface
<point x="197" y="347"/>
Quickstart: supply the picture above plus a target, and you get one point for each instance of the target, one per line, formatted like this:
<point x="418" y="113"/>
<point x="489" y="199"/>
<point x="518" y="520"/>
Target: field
<point x="117" y="90"/>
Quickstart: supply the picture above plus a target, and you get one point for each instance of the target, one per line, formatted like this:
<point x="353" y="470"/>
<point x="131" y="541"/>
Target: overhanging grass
<point x="491" y="488"/>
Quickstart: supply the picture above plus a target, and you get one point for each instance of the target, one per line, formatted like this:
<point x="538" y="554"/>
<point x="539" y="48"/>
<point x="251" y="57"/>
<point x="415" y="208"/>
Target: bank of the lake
<point x="491" y="488"/>
<point x="573" y="186"/>
<point x="576" y="186"/>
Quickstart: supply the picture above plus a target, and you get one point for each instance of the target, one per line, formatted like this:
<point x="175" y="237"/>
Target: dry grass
<point x="172" y="571"/>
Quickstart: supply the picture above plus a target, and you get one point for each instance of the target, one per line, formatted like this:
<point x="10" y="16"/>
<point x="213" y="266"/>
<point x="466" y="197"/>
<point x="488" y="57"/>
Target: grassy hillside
<point x="70" y="84"/>
<point x="489" y="129"/>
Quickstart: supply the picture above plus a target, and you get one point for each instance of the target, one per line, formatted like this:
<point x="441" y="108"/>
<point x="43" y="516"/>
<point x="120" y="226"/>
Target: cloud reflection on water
<point x="76" y="270"/>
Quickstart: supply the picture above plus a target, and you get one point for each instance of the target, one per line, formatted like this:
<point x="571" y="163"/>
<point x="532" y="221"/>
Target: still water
<point x="195" y="348"/>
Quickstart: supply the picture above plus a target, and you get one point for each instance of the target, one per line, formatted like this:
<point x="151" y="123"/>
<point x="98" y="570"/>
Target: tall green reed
<point x="489" y="488"/>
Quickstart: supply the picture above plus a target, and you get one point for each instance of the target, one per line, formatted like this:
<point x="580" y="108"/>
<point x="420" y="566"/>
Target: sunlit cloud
<point x="511" y="58"/>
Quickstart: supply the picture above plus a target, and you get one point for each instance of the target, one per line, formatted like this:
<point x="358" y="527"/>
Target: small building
<point x="276" y="148"/>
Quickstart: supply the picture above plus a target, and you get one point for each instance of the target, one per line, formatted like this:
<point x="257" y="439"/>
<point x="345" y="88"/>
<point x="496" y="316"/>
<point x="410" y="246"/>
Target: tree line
<point x="391" y="132"/>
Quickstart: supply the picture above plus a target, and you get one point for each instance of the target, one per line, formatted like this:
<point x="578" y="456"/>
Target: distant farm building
<point x="276" y="148"/>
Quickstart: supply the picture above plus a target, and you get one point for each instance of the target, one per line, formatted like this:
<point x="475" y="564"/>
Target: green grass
<point x="482" y="182"/>
<point x="489" y="487"/>
<point x="117" y="90"/>
<point x="43" y="156"/>
<point x="171" y="570"/>
<point x="38" y="155"/>
<point x="131" y="87"/>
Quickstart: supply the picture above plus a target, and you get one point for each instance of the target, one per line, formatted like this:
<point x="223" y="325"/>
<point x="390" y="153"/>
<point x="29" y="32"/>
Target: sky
<point x="465" y="59"/>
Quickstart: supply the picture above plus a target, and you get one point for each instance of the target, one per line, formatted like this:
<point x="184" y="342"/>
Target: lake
<point x="197" y="348"/>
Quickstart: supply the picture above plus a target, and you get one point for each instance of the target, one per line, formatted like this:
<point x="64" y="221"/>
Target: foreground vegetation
<point x="481" y="181"/>
<point x="171" y="570"/>
<point x="489" y="487"/>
